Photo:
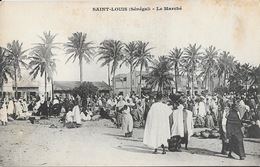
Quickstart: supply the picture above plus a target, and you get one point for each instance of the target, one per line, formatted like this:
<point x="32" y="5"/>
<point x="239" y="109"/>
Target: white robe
<point x="69" y="116"/>
<point x="89" y="115"/>
<point x="10" y="107"/>
<point x="3" y="113"/>
<point x="195" y="109"/>
<point x="189" y="124"/>
<point x="157" y="128"/>
<point x="77" y="117"/>
<point x="18" y="109"/>
<point x="83" y="116"/>
<point x="202" y="109"/>
<point x="177" y="127"/>
<point x="127" y="121"/>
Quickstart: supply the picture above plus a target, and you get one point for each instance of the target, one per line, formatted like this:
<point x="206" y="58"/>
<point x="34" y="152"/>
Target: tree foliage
<point x="160" y="75"/>
<point x="78" y="48"/>
<point x="85" y="89"/>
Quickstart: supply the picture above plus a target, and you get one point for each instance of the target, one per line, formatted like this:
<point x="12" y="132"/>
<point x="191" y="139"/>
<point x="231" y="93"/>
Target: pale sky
<point x="233" y="26"/>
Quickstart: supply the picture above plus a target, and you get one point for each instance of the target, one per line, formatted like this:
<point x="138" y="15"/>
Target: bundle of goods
<point x="214" y="133"/>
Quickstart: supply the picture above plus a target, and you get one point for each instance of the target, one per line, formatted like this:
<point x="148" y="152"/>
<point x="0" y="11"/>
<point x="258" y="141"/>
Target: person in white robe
<point x="182" y="125"/>
<point x="157" y="129"/>
<point x="127" y="121"/>
<point x="3" y="114"/>
<point x="83" y="116"/>
<point x="18" y="110"/>
<point x="89" y="115"/>
<point x="196" y="108"/>
<point x="76" y="111"/>
<point x="202" y="108"/>
<point x="214" y="108"/>
<point x="120" y="104"/>
<point x="37" y="106"/>
<point x="69" y="116"/>
<point x="188" y="126"/>
<point x="10" y="109"/>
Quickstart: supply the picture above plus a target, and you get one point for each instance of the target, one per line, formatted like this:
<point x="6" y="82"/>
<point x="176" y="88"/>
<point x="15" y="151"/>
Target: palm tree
<point x="185" y="70"/>
<point x="226" y="65"/>
<point x="42" y="61"/>
<point x="143" y="57"/>
<point x="111" y="51"/>
<point x="255" y="75"/>
<point x="247" y="74"/>
<point x="191" y="60"/>
<point x="175" y="58"/>
<point x="130" y="51"/>
<point x="236" y="79"/>
<point x="6" y="68"/>
<point x="17" y="58"/>
<point x="78" y="48"/>
<point x="160" y="75"/>
<point x="209" y="65"/>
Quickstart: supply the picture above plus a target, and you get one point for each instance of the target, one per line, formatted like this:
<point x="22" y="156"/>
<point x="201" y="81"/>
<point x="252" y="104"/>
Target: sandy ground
<point x="100" y="143"/>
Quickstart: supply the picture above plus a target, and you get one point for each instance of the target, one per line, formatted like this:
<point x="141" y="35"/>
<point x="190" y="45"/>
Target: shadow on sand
<point x="144" y="149"/>
<point x="252" y="140"/>
<point x="135" y="149"/>
<point x="202" y="151"/>
<point x="122" y="137"/>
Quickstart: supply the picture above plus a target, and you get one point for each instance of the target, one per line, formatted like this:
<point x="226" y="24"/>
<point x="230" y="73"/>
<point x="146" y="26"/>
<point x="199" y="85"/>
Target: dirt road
<point x="101" y="143"/>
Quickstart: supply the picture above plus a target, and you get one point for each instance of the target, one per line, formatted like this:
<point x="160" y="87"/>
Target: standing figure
<point x="76" y="111"/>
<point x="119" y="106"/>
<point x="188" y="126"/>
<point x="157" y="129"/>
<point x="223" y="111"/>
<point x="234" y="132"/>
<point x="181" y="129"/>
<point x="3" y="113"/>
<point x="127" y="121"/>
<point x="10" y="110"/>
<point x="18" y="109"/>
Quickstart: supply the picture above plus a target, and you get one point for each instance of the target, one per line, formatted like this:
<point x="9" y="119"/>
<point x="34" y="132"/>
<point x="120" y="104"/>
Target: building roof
<point x="69" y="85"/>
<point x="101" y="85"/>
<point x="65" y="85"/>
<point x="144" y="73"/>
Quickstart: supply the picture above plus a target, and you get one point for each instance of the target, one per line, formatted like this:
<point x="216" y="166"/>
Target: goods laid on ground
<point x="214" y="133"/>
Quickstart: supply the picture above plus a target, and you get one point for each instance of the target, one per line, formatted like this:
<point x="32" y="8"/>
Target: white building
<point x="27" y="88"/>
<point x="123" y="84"/>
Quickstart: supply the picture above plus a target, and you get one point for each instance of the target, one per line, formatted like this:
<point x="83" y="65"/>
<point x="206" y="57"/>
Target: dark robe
<point x="254" y="131"/>
<point x="104" y="114"/>
<point x="234" y="132"/>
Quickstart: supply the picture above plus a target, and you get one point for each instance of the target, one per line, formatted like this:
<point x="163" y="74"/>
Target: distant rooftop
<point x="69" y="85"/>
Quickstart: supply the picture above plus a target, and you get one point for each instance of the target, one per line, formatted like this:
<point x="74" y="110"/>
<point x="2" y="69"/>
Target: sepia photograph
<point x="130" y="83"/>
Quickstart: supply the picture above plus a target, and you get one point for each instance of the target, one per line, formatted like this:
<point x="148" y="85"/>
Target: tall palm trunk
<point x="225" y="75"/>
<point x="15" y="83"/>
<point x="2" y="88"/>
<point x="162" y="90"/>
<point x="176" y="77"/>
<point x="52" y="89"/>
<point x="108" y="73"/>
<point x="45" y="85"/>
<point x="80" y="68"/>
<point x="192" y="81"/>
<point x="209" y="82"/>
<point x="141" y="80"/>
<point x="114" y="82"/>
<point x="131" y="73"/>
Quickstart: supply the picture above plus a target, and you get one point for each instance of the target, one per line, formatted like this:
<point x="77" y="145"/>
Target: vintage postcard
<point x="83" y="83"/>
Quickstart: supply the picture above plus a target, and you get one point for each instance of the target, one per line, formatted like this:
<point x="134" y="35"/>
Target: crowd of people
<point x="168" y="121"/>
